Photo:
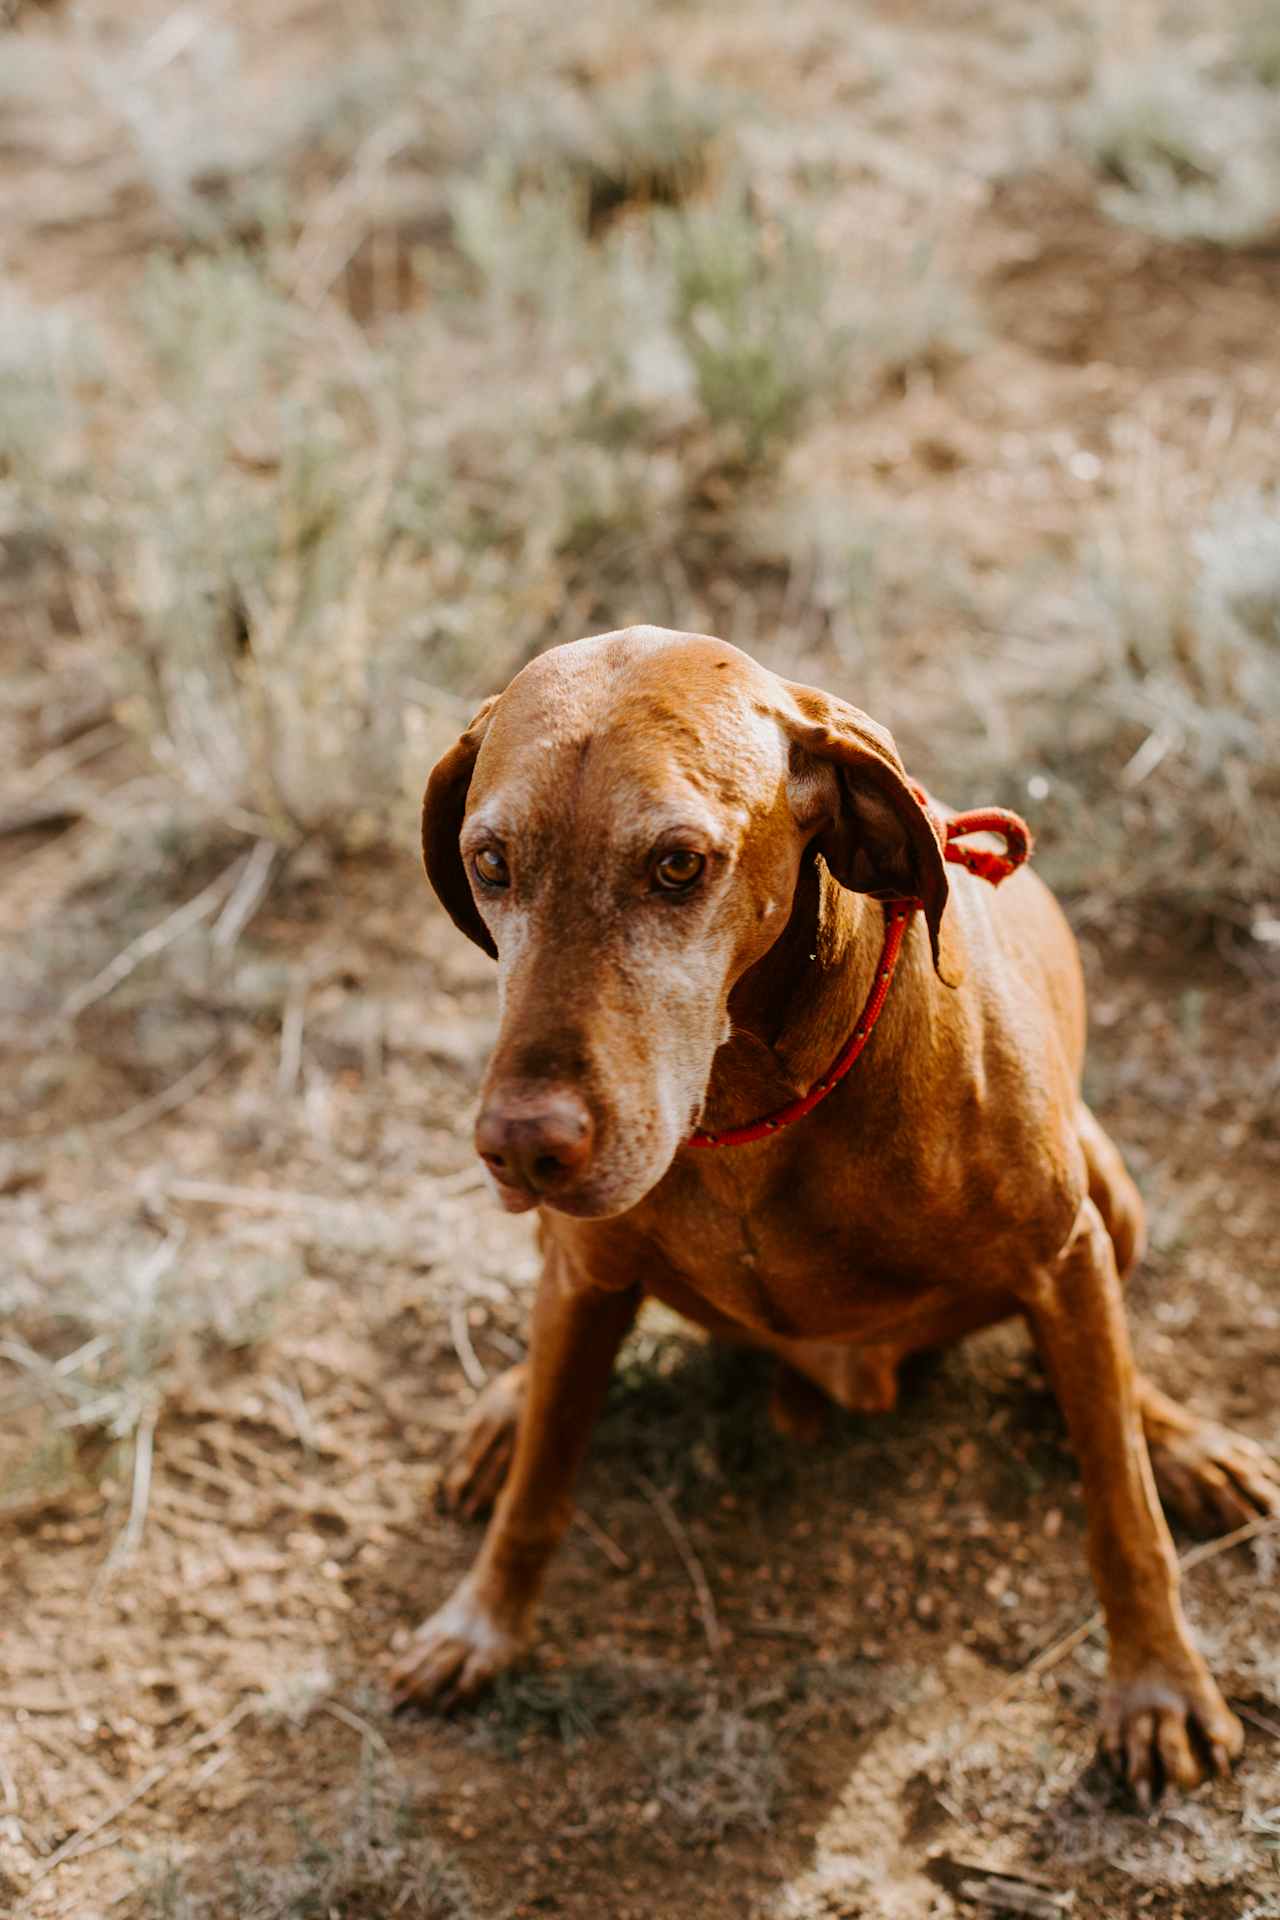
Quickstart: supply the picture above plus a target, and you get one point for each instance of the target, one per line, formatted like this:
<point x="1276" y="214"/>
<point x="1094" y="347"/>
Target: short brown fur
<point x="954" y="1179"/>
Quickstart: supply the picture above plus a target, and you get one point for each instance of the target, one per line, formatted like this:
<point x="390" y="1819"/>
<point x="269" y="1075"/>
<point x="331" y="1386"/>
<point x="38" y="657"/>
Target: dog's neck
<point x="792" y="1011"/>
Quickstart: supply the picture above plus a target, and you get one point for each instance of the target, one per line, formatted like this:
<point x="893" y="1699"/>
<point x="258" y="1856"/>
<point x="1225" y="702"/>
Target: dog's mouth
<point x="598" y="1193"/>
<point x="593" y="1198"/>
<point x="514" y="1198"/>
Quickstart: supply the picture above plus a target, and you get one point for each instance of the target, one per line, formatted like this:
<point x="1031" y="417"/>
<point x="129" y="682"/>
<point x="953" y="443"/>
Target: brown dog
<point x="670" y="850"/>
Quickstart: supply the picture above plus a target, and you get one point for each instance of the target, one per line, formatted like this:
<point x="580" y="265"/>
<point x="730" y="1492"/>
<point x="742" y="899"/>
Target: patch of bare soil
<point x="1079" y="289"/>
<point x="245" y="1173"/>
<point x="862" y="1732"/>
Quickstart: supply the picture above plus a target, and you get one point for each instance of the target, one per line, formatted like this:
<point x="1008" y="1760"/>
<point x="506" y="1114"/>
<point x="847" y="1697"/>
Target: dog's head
<point x="623" y="830"/>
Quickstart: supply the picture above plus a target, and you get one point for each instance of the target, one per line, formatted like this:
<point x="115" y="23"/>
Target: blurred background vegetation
<point x="349" y="355"/>
<point x="348" y="360"/>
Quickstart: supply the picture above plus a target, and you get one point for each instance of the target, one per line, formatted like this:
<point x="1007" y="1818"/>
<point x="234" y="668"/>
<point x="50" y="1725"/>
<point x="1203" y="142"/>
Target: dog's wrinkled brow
<point x="488" y="823"/>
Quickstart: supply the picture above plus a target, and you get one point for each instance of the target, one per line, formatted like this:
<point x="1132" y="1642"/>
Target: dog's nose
<point x="537" y="1144"/>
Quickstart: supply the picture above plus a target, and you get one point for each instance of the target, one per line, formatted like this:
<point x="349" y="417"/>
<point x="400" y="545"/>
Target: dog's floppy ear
<point x="443" y="805"/>
<point x="873" y="833"/>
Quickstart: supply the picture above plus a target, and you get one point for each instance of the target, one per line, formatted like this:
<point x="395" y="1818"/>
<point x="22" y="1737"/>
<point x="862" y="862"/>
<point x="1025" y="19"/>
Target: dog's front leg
<point x="1164" y="1717"/>
<point x="577" y="1330"/>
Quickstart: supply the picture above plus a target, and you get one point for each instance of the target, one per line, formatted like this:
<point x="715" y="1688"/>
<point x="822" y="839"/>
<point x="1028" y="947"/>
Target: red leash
<point x="898" y="915"/>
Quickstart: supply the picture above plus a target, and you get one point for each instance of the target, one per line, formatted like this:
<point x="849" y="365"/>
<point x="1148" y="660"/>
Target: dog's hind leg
<point x="865" y="1378"/>
<point x="1113" y="1193"/>
<point x="1211" y="1478"/>
<point x="812" y="1372"/>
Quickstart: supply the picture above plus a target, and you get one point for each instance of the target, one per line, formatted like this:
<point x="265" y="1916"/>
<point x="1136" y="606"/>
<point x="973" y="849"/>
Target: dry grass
<point x="567" y="1707"/>
<point x="310" y="539"/>
<point x="1174" y="710"/>
<point x="320" y="514"/>
<point x="466" y="331"/>
<point x="365" y="1856"/>
<point x="92" y="1372"/>
<point x="1185" y="135"/>
<point x="1260" y="42"/>
<point x="720" y="1773"/>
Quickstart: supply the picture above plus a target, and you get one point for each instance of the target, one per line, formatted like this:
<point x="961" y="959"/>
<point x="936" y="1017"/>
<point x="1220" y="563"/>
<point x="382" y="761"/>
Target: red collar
<point x="898" y="915"/>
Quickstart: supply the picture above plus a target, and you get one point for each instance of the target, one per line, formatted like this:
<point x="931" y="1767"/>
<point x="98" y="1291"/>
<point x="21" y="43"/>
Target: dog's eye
<point x="490" y="868"/>
<point x="677" y="870"/>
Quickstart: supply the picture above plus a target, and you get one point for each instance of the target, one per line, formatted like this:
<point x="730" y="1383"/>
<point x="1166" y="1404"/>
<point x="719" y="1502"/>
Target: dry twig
<point x="609" y="1547"/>
<point x="1263" y="1721"/>
<point x="1053" y="1656"/>
<point x="291" y="1031"/>
<point x="246" y="896"/>
<point x="10" y="1824"/>
<point x="1016" y="1896"/>
<point x="692" y="1565"/>
<point x="169" y="1098"/>
<point x="143" y="1454"/>
<point x="358" y="1725"/>
<point x="467" y="1356"/>
<point x="216" y="1193"/>
<point x="79" y="1842"/>
<point x="155" y="940"/>
<point x="65" y="759"/>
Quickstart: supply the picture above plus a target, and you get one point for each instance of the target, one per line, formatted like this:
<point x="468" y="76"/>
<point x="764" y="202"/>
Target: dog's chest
<point x="811" y="1263"/>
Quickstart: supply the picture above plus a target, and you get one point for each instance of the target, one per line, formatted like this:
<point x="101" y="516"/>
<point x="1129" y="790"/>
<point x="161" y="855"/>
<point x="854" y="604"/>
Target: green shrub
<point x="1187" y="151"/>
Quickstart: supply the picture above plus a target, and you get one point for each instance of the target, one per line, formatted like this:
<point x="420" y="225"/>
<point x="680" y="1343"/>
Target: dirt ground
<point x="281" y="1123"/>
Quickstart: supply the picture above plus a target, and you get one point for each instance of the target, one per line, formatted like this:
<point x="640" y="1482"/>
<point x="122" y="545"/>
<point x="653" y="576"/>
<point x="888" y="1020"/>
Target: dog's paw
<point x="1169" y="1729"/>
<point x="454" y="1655"/>
<point x="1212" y="1479"/>
<point x="481" y="1454"/>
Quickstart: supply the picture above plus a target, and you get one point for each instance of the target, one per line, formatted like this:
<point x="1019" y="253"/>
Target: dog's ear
<point x="850" y="786"/>
<point x="443" y="805"/>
